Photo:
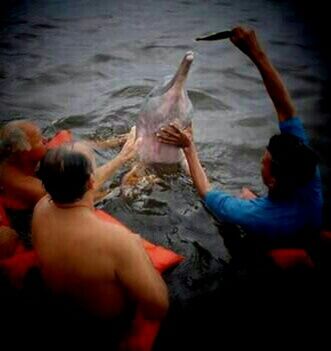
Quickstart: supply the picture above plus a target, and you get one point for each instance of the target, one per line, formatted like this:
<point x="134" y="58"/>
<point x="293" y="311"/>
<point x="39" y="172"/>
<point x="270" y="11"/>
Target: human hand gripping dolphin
<point x="182" y="138"/>
<point x="176" y="136"/>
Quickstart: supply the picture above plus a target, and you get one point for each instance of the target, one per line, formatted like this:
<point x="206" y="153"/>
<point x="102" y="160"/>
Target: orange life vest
<point x="143" y="332"/>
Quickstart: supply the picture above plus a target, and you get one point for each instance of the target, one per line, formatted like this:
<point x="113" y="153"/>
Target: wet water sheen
<point x="87" y="65"/>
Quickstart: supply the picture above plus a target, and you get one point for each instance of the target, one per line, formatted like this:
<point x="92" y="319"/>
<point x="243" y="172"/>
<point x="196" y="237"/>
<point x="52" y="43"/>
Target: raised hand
<point x="246" y="40"/>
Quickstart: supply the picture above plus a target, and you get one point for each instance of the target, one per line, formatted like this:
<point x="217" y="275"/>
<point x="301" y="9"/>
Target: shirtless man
<point x="20" y="187"/>
<point x="17" y="176"/>
<point x="101" y="266"/>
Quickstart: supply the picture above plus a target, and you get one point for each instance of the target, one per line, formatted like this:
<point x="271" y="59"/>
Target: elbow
<point x="158" y="309"/>
<point x="164" y="306"/>
<point x="292" y="111"/>
<point x="161" y="309"/>
<point x="204" y="190"/>
<point x="202" y="193"/>
<point x="287" y="112"/>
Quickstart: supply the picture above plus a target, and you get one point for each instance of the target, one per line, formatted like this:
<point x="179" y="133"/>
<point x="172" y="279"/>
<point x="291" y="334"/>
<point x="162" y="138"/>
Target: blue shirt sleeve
<point x="294" y="127"/>
<point x="230" y="208"/>
<point x="262" y="216"/>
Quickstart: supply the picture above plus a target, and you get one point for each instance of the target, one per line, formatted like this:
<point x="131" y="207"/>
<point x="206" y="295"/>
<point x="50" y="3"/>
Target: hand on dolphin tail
<point x="176" y="136"/>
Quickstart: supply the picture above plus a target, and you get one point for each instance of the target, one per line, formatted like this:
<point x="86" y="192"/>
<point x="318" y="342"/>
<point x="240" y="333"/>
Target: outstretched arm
<point x="247" y="41"/>
<point x="103" y="173"/>
<point x="109" y="143"/>
<point x="173" y="135"/>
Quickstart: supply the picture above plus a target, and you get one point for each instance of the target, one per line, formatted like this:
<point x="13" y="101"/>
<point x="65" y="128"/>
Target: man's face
<point x="267" y="177"/>
<point x="38" y="149"/>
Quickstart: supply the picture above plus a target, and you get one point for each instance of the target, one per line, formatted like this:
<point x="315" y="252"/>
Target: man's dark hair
<point x="64" y="174"/>
<point x="293" y="163"/>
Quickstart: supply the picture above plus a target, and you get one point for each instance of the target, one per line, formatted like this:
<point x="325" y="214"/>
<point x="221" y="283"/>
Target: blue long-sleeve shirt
<point x="270" y="220"/>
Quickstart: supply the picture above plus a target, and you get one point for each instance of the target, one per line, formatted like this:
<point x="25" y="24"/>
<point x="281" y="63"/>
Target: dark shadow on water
<point x="253" y="311"/>
<point x="32" y="318"/>
<point x="213" y="302"/>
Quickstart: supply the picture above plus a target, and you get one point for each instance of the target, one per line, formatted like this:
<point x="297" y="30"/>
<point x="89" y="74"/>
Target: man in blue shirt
<point x="292" y="208"/>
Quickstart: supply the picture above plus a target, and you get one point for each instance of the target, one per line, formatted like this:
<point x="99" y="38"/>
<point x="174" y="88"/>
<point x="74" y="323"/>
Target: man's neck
<point x="85" y="201"/>
<point x="281" y="193"/>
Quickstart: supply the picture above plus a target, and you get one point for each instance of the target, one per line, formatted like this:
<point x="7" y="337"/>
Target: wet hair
<point x="293" y="163"/>
<point x="64" y="173"/>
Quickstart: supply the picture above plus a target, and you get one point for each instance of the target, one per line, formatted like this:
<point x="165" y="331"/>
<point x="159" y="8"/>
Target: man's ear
<point x="91" y="182"/>
<point x="272" y="182"/>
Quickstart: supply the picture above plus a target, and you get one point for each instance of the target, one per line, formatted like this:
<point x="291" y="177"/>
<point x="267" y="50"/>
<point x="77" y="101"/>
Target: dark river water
<point x="87" y="65"/>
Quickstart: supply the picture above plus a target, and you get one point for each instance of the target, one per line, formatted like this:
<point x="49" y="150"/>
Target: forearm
<point x="110" y="143"/>
<point x="275" y="87"/>
<point x="103" y="173"/>
<point x="198" y="174"/>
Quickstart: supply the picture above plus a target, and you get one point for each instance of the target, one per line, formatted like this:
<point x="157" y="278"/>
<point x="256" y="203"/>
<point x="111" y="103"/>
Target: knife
<point x="216" y="36"/>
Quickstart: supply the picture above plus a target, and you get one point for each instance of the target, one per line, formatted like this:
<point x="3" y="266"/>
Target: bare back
<point x="75" y="262"/>
<point x="101" y="265"/>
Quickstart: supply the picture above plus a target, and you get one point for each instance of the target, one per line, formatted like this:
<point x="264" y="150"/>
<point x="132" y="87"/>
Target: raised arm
<point x="246" y="40"/>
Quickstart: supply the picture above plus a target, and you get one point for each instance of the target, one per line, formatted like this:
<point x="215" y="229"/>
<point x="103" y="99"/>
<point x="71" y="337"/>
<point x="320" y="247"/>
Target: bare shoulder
<point x="123" y="240"/>
<point x="40" y="213"/>
<point x="42" y="205"/>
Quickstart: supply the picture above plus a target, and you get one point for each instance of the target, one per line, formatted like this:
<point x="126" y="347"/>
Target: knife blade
<point x="216" y="36"/>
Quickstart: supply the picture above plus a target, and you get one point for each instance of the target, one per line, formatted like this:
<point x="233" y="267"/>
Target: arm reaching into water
<point x="173" y="135"/>
<point x="247" y="41"/>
